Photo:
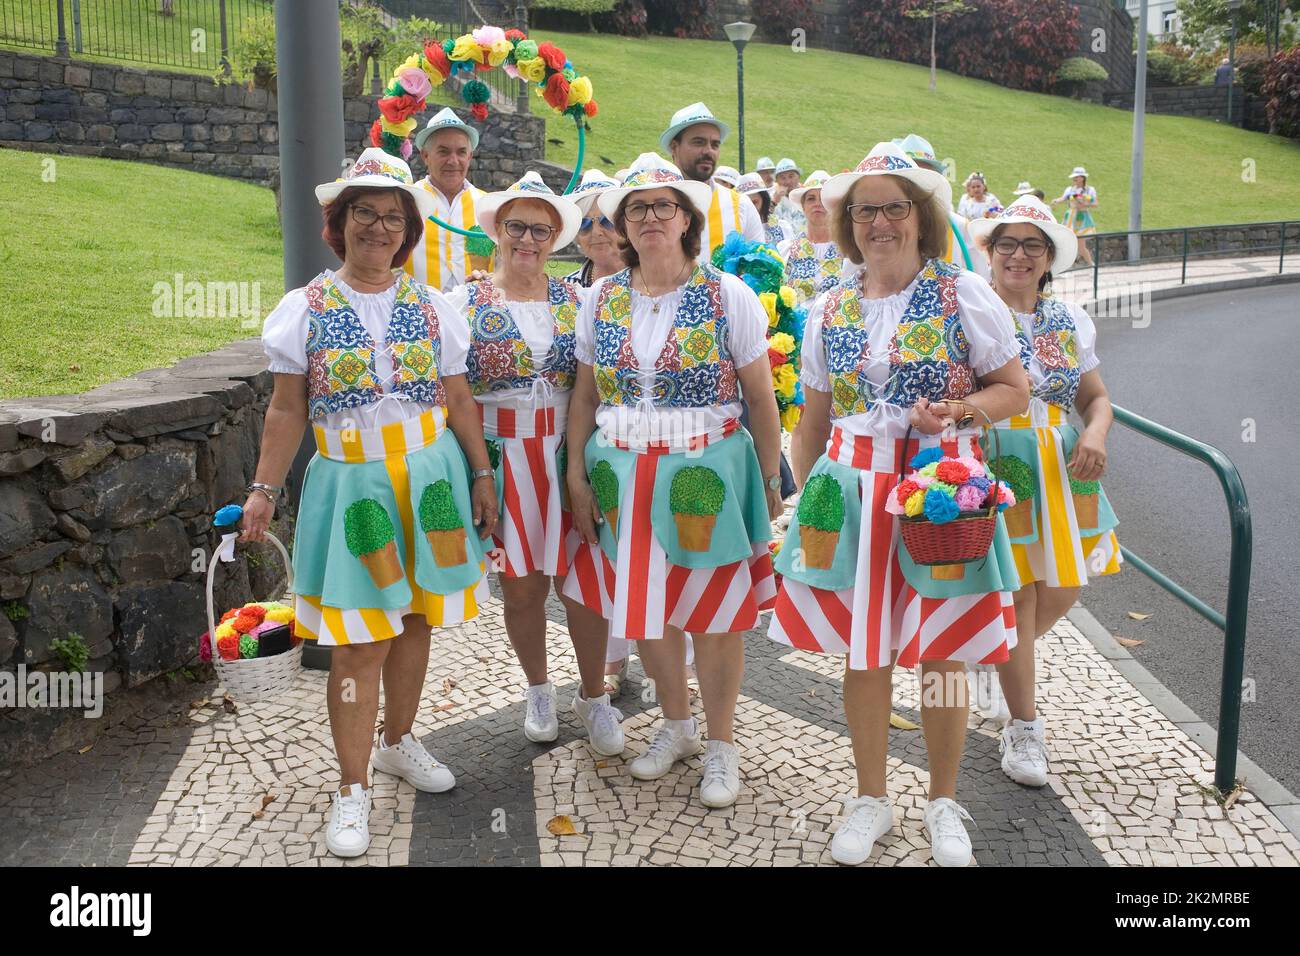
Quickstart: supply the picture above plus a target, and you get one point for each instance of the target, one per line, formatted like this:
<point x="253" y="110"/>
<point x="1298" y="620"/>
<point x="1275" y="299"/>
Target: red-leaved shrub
<point x="777" y="19"/>
<point x="1282" y="87"/>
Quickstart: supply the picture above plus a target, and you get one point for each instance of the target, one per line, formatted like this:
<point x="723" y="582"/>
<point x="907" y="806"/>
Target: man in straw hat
<point x="446" y="145"/>
<point x="694" y="139"/>
<point x="959" y="250"/>
<point x="766" y="170"/>
<point x="789" y="177"/>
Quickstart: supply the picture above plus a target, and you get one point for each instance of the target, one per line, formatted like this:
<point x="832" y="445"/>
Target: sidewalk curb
<point x="1280" y="801"/>
<point x="1197" y="288"/>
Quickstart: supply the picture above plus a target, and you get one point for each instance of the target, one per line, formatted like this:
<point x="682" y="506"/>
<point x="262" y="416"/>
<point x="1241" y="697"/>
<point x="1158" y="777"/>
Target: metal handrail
<point x="1233" y="622"/>
<point x="1095" y="243"/>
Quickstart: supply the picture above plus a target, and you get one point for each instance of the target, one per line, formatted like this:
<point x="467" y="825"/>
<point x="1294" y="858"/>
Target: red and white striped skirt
<point x="532" y="529"/>
<point x="881" y="620"/>
<point x="642" y="591"/>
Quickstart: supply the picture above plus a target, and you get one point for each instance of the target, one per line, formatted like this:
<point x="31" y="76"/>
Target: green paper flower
<point x="1018" y="475"/>
<point x="1090" y="487"/>
<point x="478" y="244"/>
<point x="494" y="454"/>
<point x="367" y="526"/>
<point x="605" y="484"/>
<point x="696" y="490"/>
<point x="438" y="508"/>
<point x="821" y="505"/>
<point x="247" y="646"/>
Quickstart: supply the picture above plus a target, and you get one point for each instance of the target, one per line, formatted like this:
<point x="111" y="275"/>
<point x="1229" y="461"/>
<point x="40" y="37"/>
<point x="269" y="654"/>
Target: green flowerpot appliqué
<point x="442" y="524"/>
<point x="696" y="498"/>
<point x="373" y="541"/>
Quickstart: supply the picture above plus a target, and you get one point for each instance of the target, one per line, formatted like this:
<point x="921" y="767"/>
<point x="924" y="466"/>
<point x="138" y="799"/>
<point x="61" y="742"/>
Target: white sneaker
<point x="541" y="724"/>
<point x="601" y="719"/>
<point x="409" y="760"/>
<point x="1024" y="752"/>
<point x="866" y="820"/>
<point x="720" y="784"/>
<point x="986" y="691"/>
<point x="949" y="841"/>
<point x="668" y="747"/>
<point x="348" y="833"/>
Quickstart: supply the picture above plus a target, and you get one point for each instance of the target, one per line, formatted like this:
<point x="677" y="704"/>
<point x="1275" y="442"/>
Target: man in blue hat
<point x="959" y="251"/>
<point x="693" y="140"/>
<point x="439" y="259"/>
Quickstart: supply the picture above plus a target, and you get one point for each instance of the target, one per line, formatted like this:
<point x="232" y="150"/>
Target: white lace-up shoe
<point x="949" y="841"/>
<point x="541" y="723"/>
<point x="668" y="747"/>
<point x="348" y="833"/>
<point x="866" y="820"/>
<point x="1024" y="752"/>
<point x="601" y="720"/>
<point x="986" y="691"/>
<point x="720" y="784"/>
<point x="409" y="760"/>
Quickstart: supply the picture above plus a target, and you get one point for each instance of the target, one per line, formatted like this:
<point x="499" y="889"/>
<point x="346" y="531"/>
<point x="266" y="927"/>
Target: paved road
<point x="1203" y="366"/>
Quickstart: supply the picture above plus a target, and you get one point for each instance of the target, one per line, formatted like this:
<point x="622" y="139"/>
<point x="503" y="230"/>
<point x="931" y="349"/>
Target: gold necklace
<point x="645" y="290"/>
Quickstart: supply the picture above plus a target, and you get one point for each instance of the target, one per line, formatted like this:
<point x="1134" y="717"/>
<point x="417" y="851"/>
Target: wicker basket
<point x="964" y="539"/>
<point x="257" y="678"/>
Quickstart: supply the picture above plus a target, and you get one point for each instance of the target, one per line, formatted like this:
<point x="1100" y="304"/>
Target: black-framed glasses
<point x="540" y="231"/>
<point x="365" y="216"/>
<point x="663" y="210"/>
<point x="588" y="223"/>
<point x="894" y="211"/>
<point x="1007" y="246"/>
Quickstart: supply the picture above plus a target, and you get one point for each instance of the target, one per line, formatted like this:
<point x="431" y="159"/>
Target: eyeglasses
<point x="588" y="223"/>
<point x="1007" y="246"/>
<point x="663" y="209"/>
<point x="365" y="216"/>
<point x="515" y="229"/>
<point x="894" y="211"/>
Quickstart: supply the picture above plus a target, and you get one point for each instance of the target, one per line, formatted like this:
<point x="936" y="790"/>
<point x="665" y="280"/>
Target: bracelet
<point x="262" y="486"/>
<point x="478" y="473"/>
<point x="258" y="489"/>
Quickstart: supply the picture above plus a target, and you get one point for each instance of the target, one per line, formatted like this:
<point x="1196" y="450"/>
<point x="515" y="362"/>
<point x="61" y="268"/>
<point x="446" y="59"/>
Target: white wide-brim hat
<point x="788" y="165"/>
<point x="446" y="119"/>
<point x="689" y="116"/>
<point x="751" y="183"/>
<point x="1023" y="188"/>
<point x="816" y="180"/>
<point x="652" y="171"/>
<point x="594" y="182"/>
<point x="728" y="175"/>
<point x="530" y="186"/>
<point x="886" y="159"/>
<point x="1034" y="211"/>
<point x="376" y="169"/>
<point x="1079" y="171"/>
<point x="764" y="163"/>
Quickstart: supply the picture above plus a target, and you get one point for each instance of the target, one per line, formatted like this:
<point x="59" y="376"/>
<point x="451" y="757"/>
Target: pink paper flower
<point x="487" y="36"/>
<point x="969" y="498"/>
<point x="415" y="82"/>
<point x="975" y="467"/>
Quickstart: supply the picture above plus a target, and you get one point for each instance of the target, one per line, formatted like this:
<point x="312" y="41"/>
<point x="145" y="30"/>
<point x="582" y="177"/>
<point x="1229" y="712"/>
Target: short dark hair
<point x="931" y="221"/>
<point x="998" y="230"/>
<point x="764" y="205"/>
<point x="690" y="239"/>
<point x="335" y="216"/>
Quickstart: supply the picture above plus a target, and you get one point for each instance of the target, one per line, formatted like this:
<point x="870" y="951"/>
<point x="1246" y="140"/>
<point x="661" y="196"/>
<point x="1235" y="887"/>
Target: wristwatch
<point x="483" y="473"/>
<point x="773" y="483"/>
<point x="968" y="419"/>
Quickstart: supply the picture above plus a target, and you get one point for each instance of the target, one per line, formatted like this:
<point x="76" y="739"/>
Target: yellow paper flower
<point x="787" y="296"/>
<point x="790" y="417"/>
<point x="467" y="49"/>
<point x="915" y="503"/>
<point x="431" y="71"/>
<point x="769" y="303"/>
<point x="224" y="630"/>
<point x="402" y="129"/>
<point x="411" y="62"/>
<point x="497" y="54"/>
<point x="580" y="91"/>
<point x="534" y="70"/>
<point x="280" y="615"/>
<point x="786" y="379"/>
<point x="783" y="342"/>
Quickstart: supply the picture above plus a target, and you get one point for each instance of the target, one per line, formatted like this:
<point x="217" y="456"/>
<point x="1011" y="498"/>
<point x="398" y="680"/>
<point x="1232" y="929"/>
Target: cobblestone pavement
<point x="188" y="784"/>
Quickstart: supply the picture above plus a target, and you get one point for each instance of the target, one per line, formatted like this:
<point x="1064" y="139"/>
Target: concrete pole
<point x="1139" y="136"/>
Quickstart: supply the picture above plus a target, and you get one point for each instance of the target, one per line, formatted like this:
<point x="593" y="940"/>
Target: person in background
<point x="1082" y="200"/>
<point x="727" y="175"/>
<point x="788" y="177"/>
<point x="1223" y="74"/>
<point x="958" y="248"/>
<point x="776" y="232"/>
<point x="446" y="145"/>
<point x="596" y="236"/>
<point x="978" y="201"/>
<point x="813" y="262"/>
<point x="766" y="170"/>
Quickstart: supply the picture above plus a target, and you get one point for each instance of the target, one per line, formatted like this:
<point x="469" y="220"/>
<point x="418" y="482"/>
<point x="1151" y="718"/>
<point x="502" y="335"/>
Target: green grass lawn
<point x="79" y="258"/>
<point x="826" y="110"/>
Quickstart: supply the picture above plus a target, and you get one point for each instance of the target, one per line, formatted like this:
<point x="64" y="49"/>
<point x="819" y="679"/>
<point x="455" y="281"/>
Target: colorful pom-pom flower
<point x="939" y="506"/>
<point x="926" y="456"/>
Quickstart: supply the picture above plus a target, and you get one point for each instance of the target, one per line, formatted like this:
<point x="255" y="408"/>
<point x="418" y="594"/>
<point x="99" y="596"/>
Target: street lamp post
<point x="739" y="34"/>
<point x="1139" y="143"/>
<point x="1233" y="7"/>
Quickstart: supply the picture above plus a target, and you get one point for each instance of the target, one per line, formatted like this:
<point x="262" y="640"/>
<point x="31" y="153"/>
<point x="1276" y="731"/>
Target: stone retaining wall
<point x="1206" y="243"/>
<point x="1210" y="102"/>
<point x="188" y="121"/>
<point x="106" y="501"/>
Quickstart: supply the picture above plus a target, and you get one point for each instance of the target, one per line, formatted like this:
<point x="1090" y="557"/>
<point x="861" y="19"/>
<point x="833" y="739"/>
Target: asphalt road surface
<point x="1222" y="368"/>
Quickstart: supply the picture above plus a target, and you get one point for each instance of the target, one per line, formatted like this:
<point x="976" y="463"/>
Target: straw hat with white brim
<point x="687" y="117"/>
<point x="446" y="119"/>
<point x="652" y="171"/>
<point x="816" y="180"/>
<point x="1079" y="171"/>
<point x="594" y="182"/>
<point x="764" y="163"/>
<point x="376" y="169"/>
<point x="1034" y="211"/>
<point x="1023" y="188"/>
<point x="886" y="159"/>
<point x="751" y="183"/>
<point x="727" y="175"/>
<point x="529" y="187"/>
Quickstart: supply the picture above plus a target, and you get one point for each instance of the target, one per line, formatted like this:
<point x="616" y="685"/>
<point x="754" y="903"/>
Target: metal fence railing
<point x="1193" y="243"/>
